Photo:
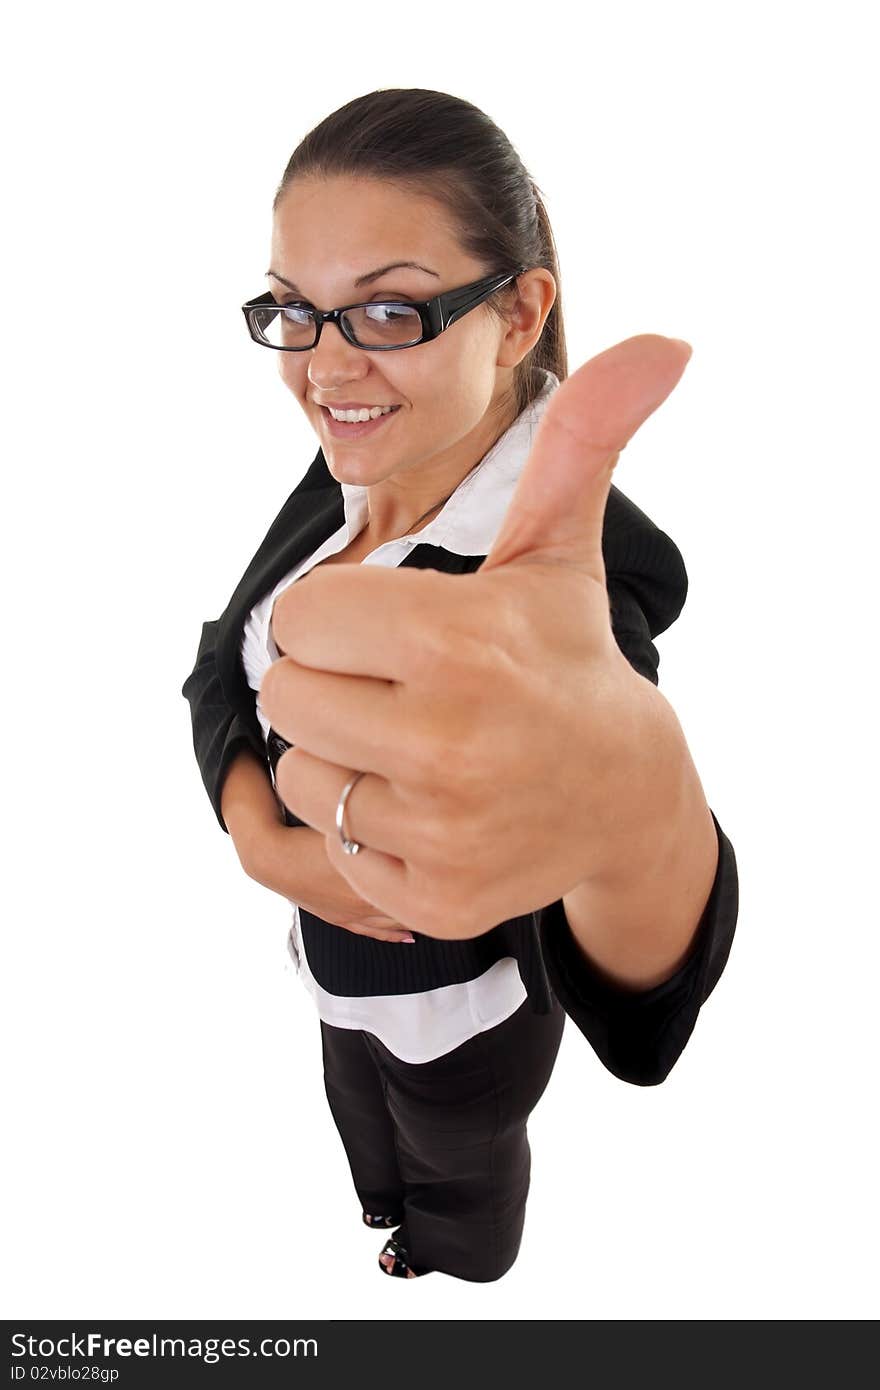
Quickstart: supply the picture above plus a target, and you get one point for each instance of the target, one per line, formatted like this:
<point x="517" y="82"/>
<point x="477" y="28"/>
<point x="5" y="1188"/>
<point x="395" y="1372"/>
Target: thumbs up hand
<point x="503" y="735"/>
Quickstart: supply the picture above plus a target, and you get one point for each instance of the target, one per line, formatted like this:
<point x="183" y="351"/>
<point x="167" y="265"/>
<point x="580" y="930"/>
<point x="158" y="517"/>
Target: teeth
<point x="353" y="416"/>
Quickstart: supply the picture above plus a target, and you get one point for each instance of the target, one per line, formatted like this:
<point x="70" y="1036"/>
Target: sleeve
<point x="219" y="731"/>
<point x="638" y="1035"/>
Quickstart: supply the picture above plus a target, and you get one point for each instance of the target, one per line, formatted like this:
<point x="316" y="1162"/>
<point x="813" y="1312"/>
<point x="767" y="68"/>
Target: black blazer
<point x="638" y="1035"/>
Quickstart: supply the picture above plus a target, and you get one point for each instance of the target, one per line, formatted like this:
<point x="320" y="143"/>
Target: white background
<point x="708" y="173"/>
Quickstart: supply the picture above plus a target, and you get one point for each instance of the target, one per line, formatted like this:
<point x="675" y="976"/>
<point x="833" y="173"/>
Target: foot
<point x="395" y="1260"/>
<point x="382" y="1222"/>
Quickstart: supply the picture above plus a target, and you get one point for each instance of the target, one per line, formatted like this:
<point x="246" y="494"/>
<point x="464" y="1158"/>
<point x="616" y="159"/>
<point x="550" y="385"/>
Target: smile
<point x="359" y="427"/>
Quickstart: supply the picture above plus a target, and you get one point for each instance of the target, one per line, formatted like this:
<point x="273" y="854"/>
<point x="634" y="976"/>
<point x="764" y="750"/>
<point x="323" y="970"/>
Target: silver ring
<point x="349" y="846"/>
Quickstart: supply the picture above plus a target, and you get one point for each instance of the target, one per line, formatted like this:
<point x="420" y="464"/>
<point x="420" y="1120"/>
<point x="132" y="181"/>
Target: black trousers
<point x="442" y="1146"/>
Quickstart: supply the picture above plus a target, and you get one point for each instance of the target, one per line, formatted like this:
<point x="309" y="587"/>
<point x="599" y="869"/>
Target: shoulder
<point x="315" y="493"/>
<point x="316" y="477"/>
<point x="318" y="481"/>
<point x="643" y="561"/>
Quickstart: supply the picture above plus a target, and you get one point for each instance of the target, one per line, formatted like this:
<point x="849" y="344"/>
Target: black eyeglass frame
<point x="436" y="314"/>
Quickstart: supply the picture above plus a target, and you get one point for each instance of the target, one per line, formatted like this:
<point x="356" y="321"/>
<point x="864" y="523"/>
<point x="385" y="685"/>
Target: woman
<point x="411" y="206"/>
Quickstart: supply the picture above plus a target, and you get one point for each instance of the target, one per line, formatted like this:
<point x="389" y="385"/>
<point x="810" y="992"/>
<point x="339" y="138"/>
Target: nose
<point x="334" y="360"/>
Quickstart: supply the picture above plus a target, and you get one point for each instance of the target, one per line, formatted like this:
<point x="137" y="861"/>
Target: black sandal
<point x="380" y="1222"/>
<point x="402" y="1267"/>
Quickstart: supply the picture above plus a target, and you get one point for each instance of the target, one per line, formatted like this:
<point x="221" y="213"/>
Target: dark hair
<point x="445" y="148"/>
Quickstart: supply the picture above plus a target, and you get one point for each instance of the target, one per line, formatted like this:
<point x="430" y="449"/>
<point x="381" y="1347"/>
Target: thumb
<point x="556" y="513"/>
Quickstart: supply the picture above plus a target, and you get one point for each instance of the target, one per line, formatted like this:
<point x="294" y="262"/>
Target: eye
<point x="388" y="314"/>
<point x="295" y="313"/>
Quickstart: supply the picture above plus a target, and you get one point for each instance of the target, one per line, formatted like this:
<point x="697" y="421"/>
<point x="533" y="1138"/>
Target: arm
<point x="639" y="1035"/>
<point x="632" y="959"/>
<point x="232" y="758"/>
<point x="289" y="860"/>
<point x="249" y="806"/>
<point x="292" y="861"/>
<point x="219" y="733"/>
<point x="635" y="919"/>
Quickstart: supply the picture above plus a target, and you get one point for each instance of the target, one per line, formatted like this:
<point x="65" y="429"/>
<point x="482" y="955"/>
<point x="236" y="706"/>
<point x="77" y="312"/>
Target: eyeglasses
<point x="382" y="325"/>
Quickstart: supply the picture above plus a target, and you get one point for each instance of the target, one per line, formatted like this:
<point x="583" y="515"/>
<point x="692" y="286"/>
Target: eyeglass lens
<point x="371" y="325"/>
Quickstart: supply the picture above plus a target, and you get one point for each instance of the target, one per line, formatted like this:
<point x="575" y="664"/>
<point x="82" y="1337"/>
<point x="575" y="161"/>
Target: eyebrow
<point x="364" y="279"/>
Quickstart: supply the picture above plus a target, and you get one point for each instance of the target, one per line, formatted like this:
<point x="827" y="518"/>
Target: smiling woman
<point x="469" y="684"/>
